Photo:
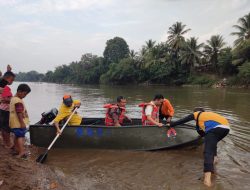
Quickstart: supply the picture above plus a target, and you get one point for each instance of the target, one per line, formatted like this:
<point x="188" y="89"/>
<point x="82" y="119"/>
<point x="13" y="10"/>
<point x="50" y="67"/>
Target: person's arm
<point x="115" y="117"/>
<point x="183" y="120"/>
<point x="19" y="110"/>
<point x="148" y="112"/>
<point x="153" y="121"/>
<point x="59" y="117"/>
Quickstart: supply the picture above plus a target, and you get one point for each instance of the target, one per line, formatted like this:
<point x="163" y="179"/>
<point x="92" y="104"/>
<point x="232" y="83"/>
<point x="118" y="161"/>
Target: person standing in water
<point x="214" y="128"/>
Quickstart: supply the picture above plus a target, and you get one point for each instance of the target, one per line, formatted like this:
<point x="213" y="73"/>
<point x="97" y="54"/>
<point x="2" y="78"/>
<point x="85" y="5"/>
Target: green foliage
<point x="213" y="48"/>
<point x="244" y="72"/>
<point x="115" y="50"/>
<point x="122" y="73"/>
<point x="243" y="30"/>
<point x="201" y="80"/>
<point x="31" y="76"/>
<point x="241" y="53"/>
<point x="225" y="62"/>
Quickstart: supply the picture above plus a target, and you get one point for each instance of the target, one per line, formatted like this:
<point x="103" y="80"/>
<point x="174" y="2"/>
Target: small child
<point x="19" y="119"/>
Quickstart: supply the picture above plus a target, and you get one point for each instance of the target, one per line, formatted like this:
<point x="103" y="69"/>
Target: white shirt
<point x="149" y="109"/>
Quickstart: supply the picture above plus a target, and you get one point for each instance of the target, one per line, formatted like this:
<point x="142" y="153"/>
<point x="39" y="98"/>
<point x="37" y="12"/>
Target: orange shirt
<point x="167" y="109"/>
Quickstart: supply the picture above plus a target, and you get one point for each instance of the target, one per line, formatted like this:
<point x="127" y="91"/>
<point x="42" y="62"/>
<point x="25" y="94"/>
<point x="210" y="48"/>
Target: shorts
<point x="4" y="121"/>
<point x="19" y="132"/>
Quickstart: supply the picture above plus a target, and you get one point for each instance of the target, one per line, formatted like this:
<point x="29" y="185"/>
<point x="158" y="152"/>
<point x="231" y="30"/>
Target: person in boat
<point x="65" y="110"/>
<point x="19" y="119"/>
<point x="5" y="97"/>
<point x="214" y="128"/>
<point x="166" y="110"/>
<point x="150" y="111"/>
<point x="116" y="113"/>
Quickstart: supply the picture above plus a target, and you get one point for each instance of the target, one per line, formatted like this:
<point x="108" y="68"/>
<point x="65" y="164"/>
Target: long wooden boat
<point x="94" y="134"/>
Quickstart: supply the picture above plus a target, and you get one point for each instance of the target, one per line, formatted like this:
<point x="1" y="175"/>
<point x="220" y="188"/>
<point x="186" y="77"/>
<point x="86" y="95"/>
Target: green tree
<point x="243" y="30"/>
<point x="241" y="53"/>
<point x="149" y="44"/>
<point x="176" y="39"/>
<point x="122" y="73"/>
<point x="244" y="73"/>
<point x="225" y="64"/>
<point x="115" y="50"/>
<point x="191" y="53"/>
<point x="214" y="45"/>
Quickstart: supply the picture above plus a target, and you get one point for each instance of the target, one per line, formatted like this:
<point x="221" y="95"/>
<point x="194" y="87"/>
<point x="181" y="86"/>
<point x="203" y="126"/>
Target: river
<point x="179" y="169"/>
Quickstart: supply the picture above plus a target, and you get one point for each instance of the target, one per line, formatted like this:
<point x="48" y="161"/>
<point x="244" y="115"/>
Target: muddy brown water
<point x="172" y="169"/>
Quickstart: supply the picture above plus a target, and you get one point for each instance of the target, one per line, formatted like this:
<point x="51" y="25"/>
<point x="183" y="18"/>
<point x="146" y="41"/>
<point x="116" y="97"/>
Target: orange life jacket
<point x="154" y="114"/>
<point x="109" y="121"/>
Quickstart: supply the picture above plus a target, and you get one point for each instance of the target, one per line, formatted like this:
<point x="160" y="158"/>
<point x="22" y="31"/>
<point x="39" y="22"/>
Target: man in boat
<point x="150" y="111"/>
<point x="67" y="107"/>
<point x="115" y="114"/>
<point x="166" y="110"/>
<point x="214" y="128"/>
<point x="5" y="97"/>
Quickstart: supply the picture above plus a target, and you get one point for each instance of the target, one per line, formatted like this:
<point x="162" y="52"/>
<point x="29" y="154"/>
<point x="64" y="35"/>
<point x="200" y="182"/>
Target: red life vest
<point x="154" y="114"/>
<point x="120" y="112"/>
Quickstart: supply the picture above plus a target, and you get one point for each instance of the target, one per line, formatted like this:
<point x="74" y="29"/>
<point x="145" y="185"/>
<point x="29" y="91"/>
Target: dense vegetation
<point x="174" y="62"/>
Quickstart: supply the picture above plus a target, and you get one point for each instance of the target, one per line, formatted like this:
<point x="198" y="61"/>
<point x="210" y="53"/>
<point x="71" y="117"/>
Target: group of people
<point x="212" y="126"/>
<point x="14" y="118"/>
<point x="13" y="114"/>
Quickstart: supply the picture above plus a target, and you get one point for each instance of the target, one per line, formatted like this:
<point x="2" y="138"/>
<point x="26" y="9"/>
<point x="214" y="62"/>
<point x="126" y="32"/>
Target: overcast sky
<point x="42" y="34"/>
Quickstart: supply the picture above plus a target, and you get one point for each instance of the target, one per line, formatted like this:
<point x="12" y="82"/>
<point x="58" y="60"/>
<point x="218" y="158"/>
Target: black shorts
<point x="4" y="121"/>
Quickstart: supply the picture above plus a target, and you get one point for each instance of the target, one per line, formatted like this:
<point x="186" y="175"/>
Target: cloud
<point x="46" y="6"/>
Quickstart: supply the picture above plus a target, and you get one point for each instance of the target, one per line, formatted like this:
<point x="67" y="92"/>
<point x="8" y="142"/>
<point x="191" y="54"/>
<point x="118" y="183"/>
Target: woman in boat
<point x="150" y="111"/>
<point x="116" y="113"/>
<point x="214" y="128"/>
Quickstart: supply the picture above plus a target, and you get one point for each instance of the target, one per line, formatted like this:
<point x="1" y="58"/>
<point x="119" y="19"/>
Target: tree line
<point x="177" y="61"/>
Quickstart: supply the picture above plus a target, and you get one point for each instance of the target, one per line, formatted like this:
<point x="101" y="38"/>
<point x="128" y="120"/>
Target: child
<point x="19" y="119"/>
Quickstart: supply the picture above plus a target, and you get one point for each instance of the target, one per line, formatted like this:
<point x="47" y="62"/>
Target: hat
<point x="67" y="100"/>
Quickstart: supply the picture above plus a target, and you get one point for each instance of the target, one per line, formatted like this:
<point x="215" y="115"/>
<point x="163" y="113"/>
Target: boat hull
<point x="134" y="137"/>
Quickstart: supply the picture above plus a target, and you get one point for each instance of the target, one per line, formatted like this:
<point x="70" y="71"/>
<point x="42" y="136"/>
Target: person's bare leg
<point x="6" y="139"/>
<point x="207" y="179"/>
<point x="20" y="145"/>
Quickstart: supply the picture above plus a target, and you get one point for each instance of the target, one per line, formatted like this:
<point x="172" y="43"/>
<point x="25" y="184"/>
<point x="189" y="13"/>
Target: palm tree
<point x="175" y="38"/>
<point x="132" y="54"/>
<point x="244" y="30"/>
<point x="150" y="44"/>
<point x="213" y="48"/>
<point x="191" y="53"/>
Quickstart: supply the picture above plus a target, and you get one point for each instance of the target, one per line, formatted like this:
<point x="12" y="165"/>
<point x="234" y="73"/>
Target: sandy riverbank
<point x="27" y="174"/>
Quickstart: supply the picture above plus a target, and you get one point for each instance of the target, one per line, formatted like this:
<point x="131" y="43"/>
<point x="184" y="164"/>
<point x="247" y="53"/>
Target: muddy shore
<point x="27" y="174"/>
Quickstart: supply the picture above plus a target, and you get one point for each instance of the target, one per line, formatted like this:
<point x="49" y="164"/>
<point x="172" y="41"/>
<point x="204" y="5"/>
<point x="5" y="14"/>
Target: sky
<point x="42" y="34"/>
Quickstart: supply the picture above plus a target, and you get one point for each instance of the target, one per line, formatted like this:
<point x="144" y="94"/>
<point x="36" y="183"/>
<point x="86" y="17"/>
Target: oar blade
<point x="42" y="158"/>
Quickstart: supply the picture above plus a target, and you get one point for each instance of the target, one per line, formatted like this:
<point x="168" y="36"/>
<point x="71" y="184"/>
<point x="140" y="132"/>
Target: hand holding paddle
<point x="43" y="157"/>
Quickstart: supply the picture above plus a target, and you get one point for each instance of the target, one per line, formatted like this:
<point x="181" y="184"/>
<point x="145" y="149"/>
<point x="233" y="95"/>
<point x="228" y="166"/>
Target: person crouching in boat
<point x="214" y="128"/>
<point x="150" y="111"/>
<point x="166" y="110"/>
<point x="67" y="107"/>
<point x="115" y="113"/>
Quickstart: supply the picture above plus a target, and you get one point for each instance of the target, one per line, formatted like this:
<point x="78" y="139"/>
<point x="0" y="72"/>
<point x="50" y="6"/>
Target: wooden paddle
<point x="41" y="159"/>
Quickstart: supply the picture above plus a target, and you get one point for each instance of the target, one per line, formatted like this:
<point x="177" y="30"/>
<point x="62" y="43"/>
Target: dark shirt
<point x="115" y="113"/>
<point x="183" y="120"/>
